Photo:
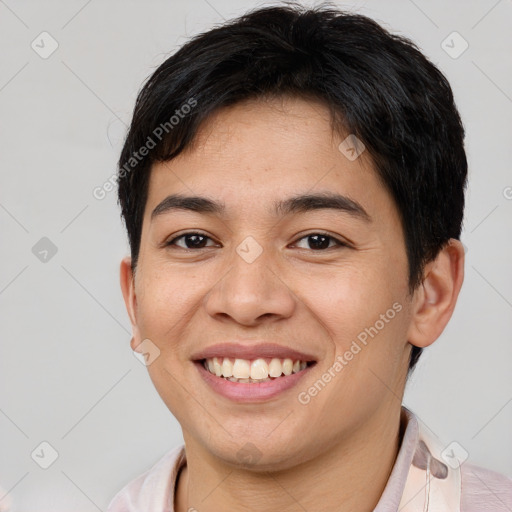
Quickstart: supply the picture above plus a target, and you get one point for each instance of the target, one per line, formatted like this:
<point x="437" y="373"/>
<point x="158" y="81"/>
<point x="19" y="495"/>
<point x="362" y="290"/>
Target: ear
<point x="130" y="299"/>
<point x="434" y="300"/>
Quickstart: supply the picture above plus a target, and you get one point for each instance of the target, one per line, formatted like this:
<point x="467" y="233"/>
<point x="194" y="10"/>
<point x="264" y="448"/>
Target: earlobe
<point x="435" y="299"/>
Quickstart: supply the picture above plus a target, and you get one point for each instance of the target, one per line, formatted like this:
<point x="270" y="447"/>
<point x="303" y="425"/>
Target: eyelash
<point x="338" y="242"/>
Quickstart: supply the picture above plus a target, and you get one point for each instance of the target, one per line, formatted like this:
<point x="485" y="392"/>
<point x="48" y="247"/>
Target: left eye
<point x="318" y="241"/>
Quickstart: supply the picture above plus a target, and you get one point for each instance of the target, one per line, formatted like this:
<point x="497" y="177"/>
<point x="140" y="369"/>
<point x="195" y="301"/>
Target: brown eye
<point x="191" y="240"/>
<point x="320" y="241"/>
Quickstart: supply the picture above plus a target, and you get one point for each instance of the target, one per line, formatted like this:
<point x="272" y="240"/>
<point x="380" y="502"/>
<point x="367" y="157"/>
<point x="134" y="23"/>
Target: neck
<point x="350" y="476"/>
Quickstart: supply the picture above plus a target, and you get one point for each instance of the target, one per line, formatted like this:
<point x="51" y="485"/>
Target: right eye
<point x="194" y="239"/>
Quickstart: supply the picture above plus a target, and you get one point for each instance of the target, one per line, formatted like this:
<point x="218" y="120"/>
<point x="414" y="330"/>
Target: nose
<point x="251" y="292"/>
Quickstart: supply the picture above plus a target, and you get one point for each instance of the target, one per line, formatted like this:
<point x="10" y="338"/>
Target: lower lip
<point x="247" y="392"/>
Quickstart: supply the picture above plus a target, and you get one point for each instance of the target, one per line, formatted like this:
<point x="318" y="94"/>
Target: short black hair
<point x="378" y="86"/>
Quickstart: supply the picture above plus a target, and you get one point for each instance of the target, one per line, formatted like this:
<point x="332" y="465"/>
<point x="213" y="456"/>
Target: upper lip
<point x="255" y="351"/>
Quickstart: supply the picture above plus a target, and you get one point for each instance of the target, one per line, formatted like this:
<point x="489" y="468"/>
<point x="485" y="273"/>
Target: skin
<point x="320" y="456"/>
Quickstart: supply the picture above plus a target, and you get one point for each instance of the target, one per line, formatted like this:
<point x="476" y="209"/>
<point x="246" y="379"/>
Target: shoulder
<point x="484" y="490"/>
<point x="150" y="490"/>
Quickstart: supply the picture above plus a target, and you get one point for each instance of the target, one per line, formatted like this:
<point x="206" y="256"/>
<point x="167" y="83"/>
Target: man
<point x="293" y="189"/>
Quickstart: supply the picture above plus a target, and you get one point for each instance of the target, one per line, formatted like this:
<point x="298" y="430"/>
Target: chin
<point x="258" y="454"/>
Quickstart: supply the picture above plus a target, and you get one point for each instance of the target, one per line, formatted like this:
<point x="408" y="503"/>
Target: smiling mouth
<point x="253" y="371"/>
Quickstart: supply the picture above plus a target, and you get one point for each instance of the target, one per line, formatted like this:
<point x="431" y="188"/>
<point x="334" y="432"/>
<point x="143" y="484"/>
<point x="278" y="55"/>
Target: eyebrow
<point x="297" y="204"/>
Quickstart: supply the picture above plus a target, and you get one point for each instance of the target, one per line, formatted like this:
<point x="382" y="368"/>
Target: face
<point x="329" y="282"/>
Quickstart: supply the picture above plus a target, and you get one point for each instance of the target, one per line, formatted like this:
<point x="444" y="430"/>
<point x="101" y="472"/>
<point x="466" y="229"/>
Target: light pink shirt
<point x="419" y="482"/>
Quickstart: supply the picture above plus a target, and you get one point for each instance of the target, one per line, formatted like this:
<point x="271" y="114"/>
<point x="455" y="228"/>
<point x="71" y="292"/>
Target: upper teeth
<point x="256" y="369"/>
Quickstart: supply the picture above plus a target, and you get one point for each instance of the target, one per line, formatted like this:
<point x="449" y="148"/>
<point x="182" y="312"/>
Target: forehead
<point x="258" y="152"/>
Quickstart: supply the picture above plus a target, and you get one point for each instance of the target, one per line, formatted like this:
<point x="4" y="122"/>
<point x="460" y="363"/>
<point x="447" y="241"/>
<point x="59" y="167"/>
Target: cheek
<point x="362" y="303"/>
<point x="166" y="301"/>
<point x="365" y="316"/>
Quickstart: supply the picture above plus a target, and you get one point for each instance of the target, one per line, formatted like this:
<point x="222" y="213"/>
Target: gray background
<point x="68" y="376"/>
